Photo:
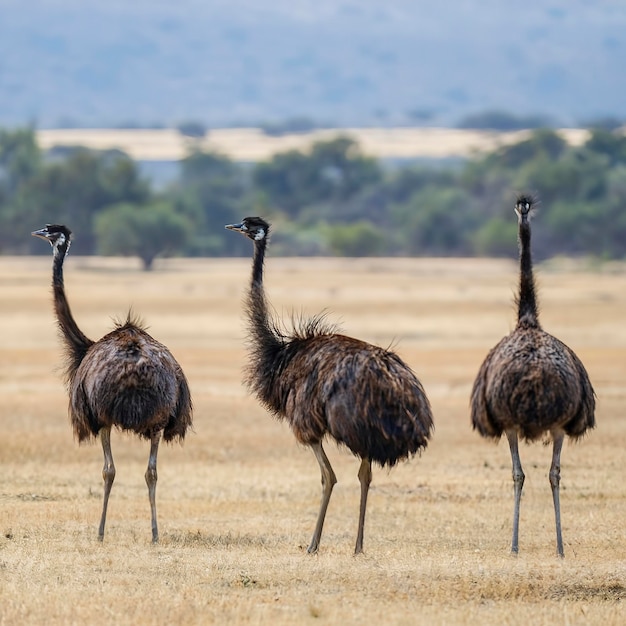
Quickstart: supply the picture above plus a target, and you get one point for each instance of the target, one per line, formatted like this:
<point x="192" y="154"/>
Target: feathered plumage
<point x="126" y="380"/>
<point x="326" y="384"/>
<point x="531" y="384"/>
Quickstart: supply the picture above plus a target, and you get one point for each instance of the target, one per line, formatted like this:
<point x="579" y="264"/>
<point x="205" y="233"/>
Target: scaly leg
<point x="365" y="478"/>
<point x="151" y="481"/>
<point x="518" y="482"/>
<point x="108" y="474"/>
<point x="328" y="482"/>
<point x="555" y="478"/>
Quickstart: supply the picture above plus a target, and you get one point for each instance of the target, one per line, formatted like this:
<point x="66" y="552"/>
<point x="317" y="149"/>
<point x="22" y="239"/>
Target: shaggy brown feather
<point x="325" y="384"/>
<point x="531" y="384"/>
<point x="131" y="381"/>
<point x="126" y="380"/>
<point x="530" y="380"/>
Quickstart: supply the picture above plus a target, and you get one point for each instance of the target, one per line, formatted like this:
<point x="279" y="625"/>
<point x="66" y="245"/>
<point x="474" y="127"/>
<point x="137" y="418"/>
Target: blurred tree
<point x="496" y="237"/>
<point x="541" y="143"/>
<point x="355" y="239"/>
<point x="593" y="228"/>
<point x="374" y="201"/>
<point x="289" y="126"/>
<point x="342" y="201"/>
<point x="437" y="221"/>
<point x="20" y="159"/>
<point x="596" y="227"/>
<point x="501" y="120"/>
<point x="610" y="144"/>
<point x="146" y="231"/>
<point x="73" y="190"/>
<point x="339" y="169"/>
<point x="192" y="128"/>
<point x="333" y="171"/>
<point x="578" y="175"/>
<point x="20" y="164"/>
<point x="283" y="181"/>
<point x="212" y="191"/>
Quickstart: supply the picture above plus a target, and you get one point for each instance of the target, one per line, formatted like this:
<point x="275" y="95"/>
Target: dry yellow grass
<point x="237" y="503"/>
<point x="252" y="144"/>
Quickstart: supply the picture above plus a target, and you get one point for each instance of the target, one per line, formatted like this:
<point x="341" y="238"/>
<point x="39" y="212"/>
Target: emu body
<point x="148" y="380"/>
<point x="126" y="380"/>
<point x="363" y="396"/>
<point x="531" y="384"/>
<point x="325" y="384"/>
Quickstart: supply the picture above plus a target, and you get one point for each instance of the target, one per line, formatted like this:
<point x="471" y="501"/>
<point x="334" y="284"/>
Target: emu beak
<point x="42" y="233"/>
<point x="236" y="227"/>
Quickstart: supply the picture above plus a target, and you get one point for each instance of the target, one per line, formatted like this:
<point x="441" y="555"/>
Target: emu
<point x="327" y="384"/>
<point x="531" y="385"/>
<point x="126" y="379"/>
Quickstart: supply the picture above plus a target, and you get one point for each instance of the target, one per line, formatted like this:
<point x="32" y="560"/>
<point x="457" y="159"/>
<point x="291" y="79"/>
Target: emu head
<point x="255" y="228"/>
<point x="58" y="235"/>
<point x="524" y="207"/>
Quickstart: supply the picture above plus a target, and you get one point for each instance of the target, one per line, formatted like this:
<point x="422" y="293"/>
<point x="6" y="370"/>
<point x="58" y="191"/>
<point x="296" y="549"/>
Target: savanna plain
<point x="237" y="501"/>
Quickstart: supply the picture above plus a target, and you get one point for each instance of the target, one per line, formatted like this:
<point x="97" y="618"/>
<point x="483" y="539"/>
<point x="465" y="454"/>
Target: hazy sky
<point x="343" y="61"/>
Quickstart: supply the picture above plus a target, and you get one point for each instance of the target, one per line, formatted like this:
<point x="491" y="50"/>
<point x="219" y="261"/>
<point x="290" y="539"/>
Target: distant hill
<point x="341" y="62"/>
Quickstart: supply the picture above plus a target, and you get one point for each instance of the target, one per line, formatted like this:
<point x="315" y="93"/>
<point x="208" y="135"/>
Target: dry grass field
<point x="237" y="502"/>
<point x="252" y="144"/>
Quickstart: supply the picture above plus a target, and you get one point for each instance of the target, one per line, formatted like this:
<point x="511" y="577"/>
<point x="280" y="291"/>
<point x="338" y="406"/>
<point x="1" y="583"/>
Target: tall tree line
<point x="342" y="201"/>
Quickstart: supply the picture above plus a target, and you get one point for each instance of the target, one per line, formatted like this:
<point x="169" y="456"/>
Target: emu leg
<point x="365" y="478"/>
<point x="328" y="482"/>
<point x="555" y="478"/>
<point x="518" y="482"/>
<point x="108" y="474"/>
<point x="151" y="481"/>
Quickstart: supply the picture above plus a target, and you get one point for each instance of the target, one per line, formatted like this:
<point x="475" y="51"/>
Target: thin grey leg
<point x="555" y="479"/>
<point x="328" y="482"/>
<point x="151" y="481"/>
<point x="518" y="482"/>
<point x="365" y="478"/>
<point x="108" y="474"/>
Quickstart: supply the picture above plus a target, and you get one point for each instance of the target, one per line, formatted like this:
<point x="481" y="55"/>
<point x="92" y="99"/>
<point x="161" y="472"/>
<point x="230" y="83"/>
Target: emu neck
<point x="257" y="264"/>
<point x="261" y="327"/>
<point x="76" y="341"/>
<point x="527" y="301"/>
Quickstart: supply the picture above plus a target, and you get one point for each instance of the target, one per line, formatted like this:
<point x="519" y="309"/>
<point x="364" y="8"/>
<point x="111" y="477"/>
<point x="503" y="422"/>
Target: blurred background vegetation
<point x="331" y="200"/>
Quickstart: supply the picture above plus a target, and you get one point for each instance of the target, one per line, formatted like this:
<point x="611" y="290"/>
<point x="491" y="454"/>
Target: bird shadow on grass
<point x="210" y="540"/>
<point x="607" y="592"/>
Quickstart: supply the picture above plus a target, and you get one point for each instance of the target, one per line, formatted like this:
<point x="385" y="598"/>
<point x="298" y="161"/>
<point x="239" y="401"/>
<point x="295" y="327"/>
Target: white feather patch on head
<point x="59" y="242"/>
<point x="259" y="235"/>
